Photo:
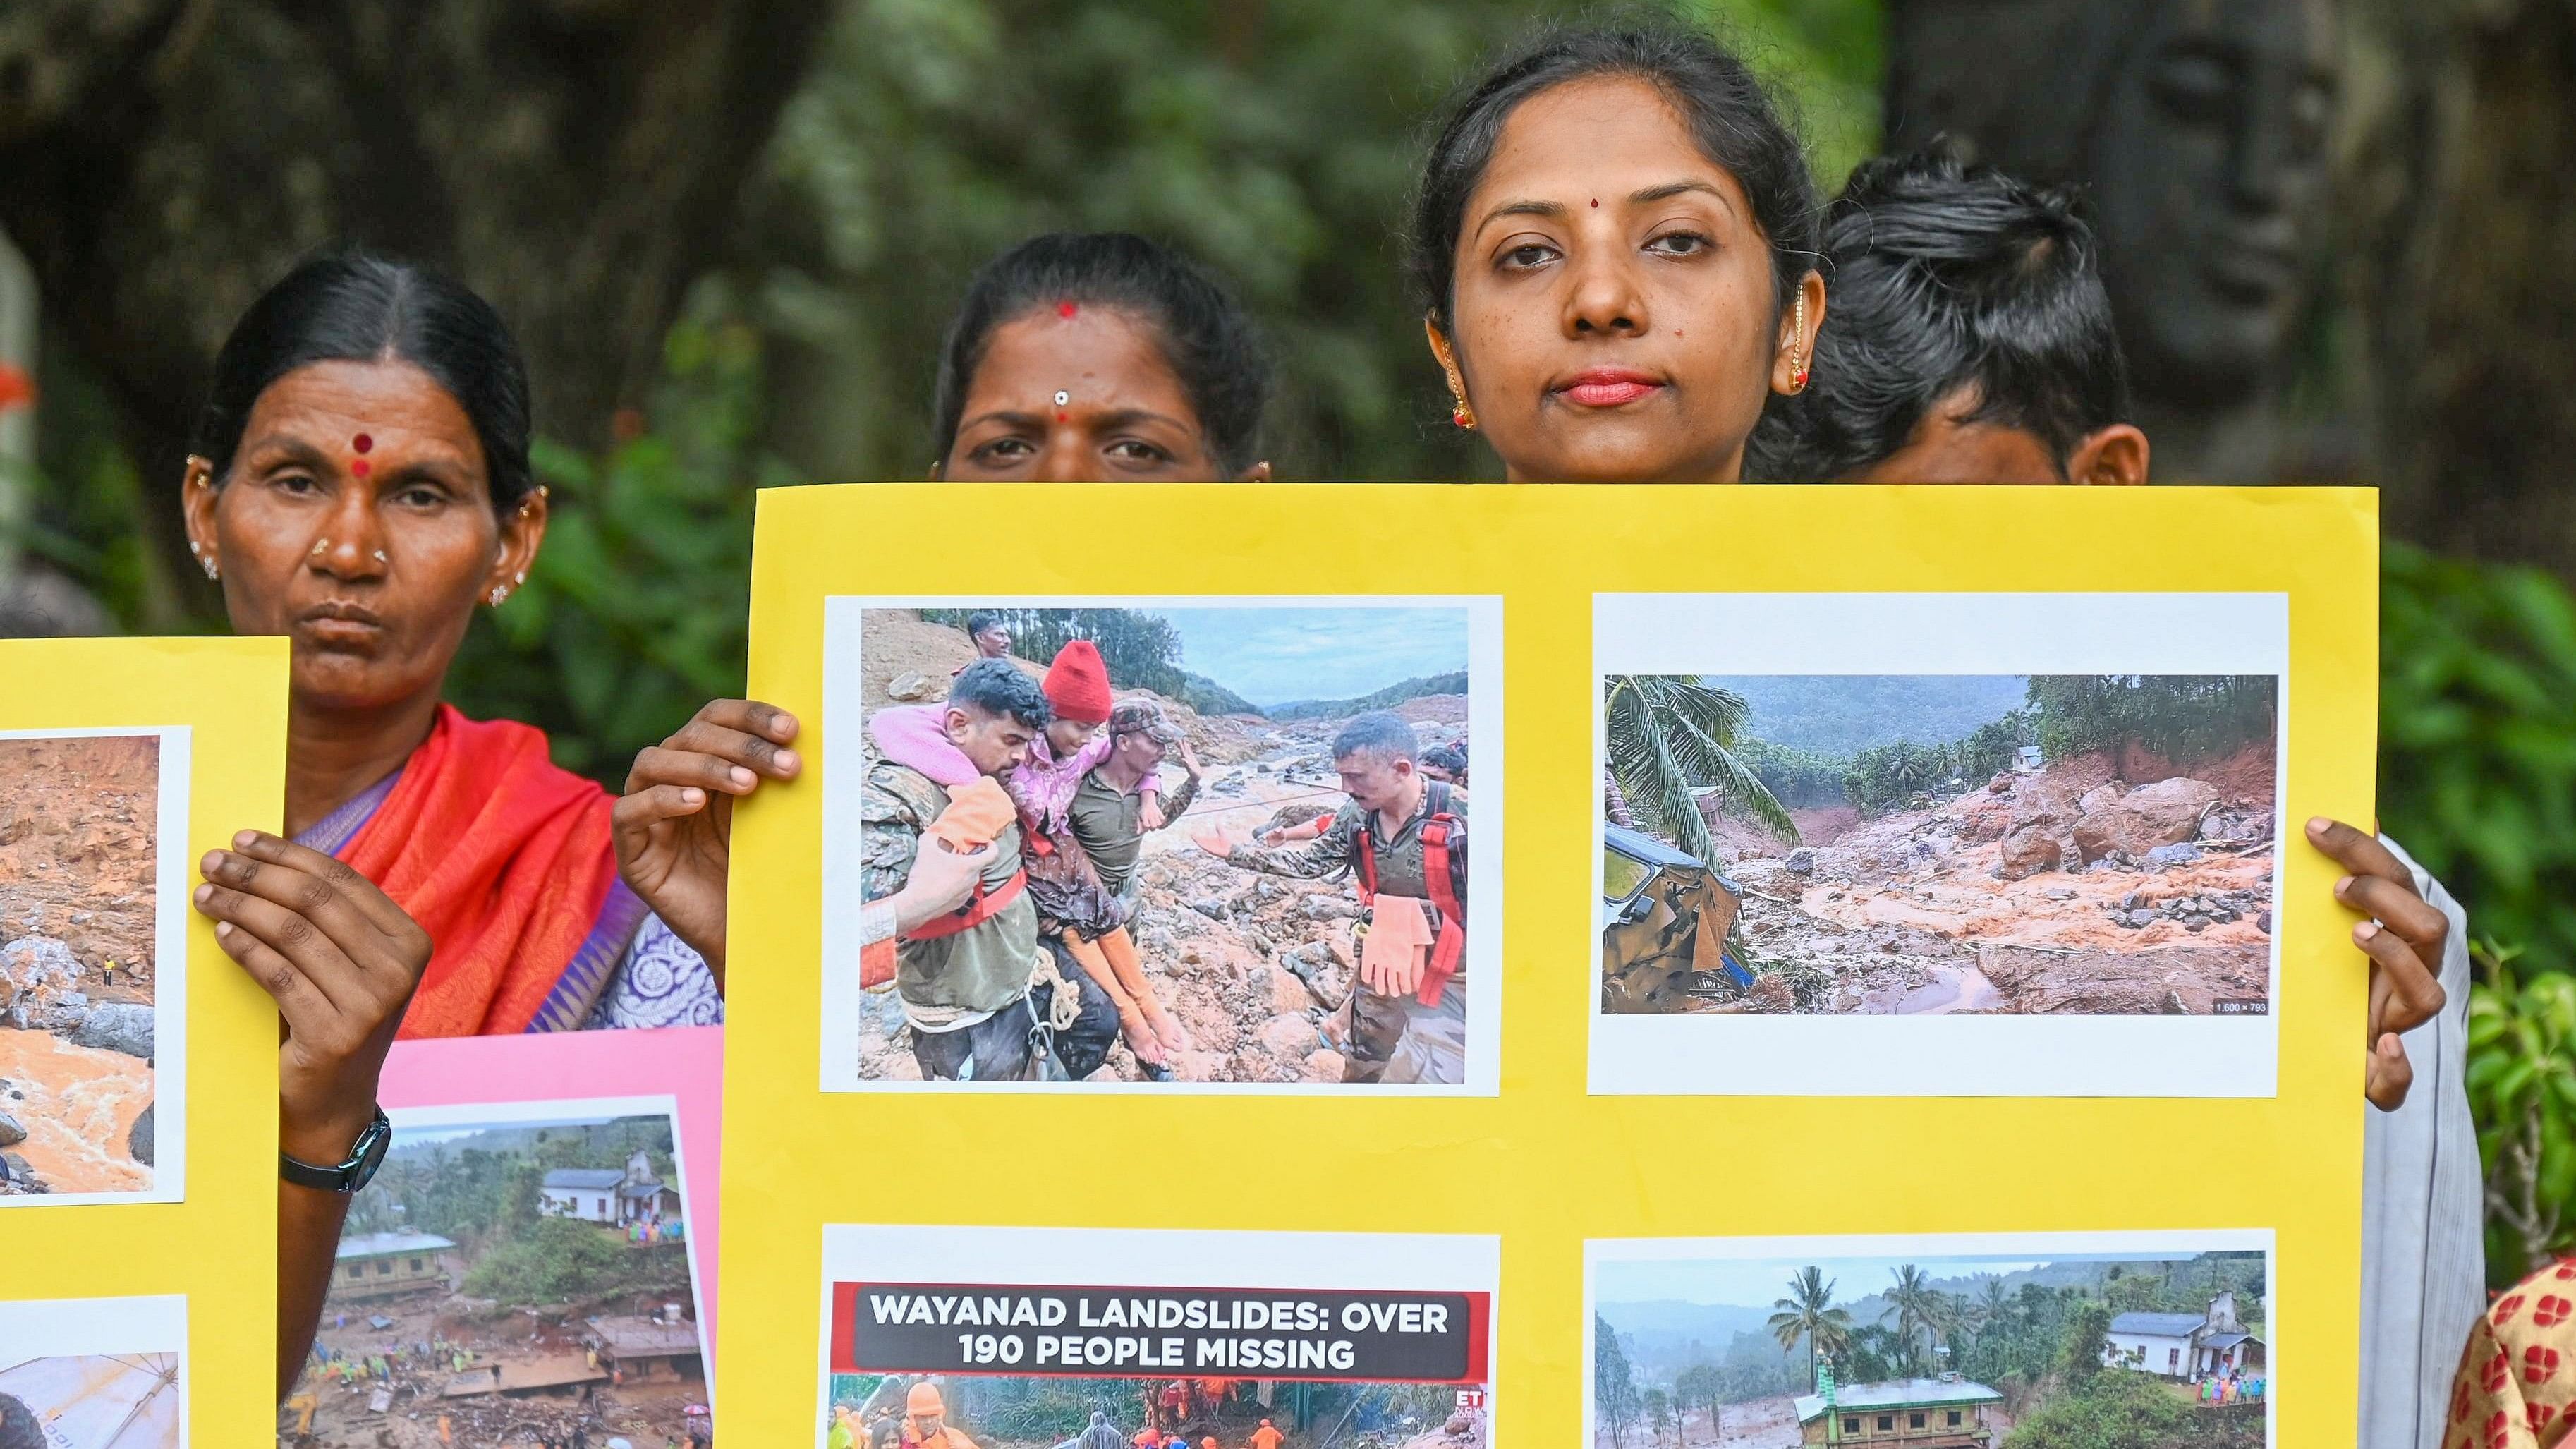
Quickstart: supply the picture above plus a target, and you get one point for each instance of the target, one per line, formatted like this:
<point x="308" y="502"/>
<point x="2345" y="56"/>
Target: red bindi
<point x="363" y="443"/>
<point x="358" y="468"/>
<point x="1066" y="310"/>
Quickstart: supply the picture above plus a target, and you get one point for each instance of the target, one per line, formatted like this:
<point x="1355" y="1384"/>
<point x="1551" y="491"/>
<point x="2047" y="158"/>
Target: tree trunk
<point x="2462" y="267"/>
<point x="576" y="161"/>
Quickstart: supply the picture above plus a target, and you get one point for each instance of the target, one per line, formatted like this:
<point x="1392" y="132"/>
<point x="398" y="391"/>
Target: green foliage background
<point x="1274" y="140"/>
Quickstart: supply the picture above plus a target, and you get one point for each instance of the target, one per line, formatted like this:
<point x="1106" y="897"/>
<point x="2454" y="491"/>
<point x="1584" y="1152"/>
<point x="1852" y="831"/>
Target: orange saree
<point x="506" y="861"/>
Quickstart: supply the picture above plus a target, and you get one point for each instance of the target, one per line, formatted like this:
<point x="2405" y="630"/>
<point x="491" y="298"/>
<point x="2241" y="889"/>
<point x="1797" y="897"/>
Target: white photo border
<point x="1857" y="1055"/>
<point x="842" y="896"/>
<point x="1597" y="1251"/>
<point x="462" y="1115"/>
<point x="1157" y="1258"/>
<point x="169" y="1066"/>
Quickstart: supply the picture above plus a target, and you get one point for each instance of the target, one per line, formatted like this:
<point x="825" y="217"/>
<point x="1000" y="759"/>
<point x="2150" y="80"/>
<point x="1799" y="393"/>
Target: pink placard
<point x="685" y="1064"/>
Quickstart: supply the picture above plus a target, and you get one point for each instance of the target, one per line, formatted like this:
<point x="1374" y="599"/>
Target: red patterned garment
<point x="2516" y="1388"/>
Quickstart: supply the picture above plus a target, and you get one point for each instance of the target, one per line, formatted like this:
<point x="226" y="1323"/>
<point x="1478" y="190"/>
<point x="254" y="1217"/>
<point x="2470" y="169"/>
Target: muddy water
<point x="80" y="1105"/>
<point x="1951" y="989"/>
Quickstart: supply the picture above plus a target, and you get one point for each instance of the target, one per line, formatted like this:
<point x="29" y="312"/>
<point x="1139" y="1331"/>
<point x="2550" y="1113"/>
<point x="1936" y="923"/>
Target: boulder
<point x="117" y="1026"/>
<point x="2167" y="812"/>
<point x="138" y="1142"/>
<point x="36" y="972"/>
<point x="1281" y="988"/>
<point x="914" y="688"/>
<point x="2031" y="847"/>
<point x="1290" y="1036"/>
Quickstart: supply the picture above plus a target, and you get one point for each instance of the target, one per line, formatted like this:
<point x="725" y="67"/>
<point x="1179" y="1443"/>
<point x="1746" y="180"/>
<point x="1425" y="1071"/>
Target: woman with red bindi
<point x="1614" y="242"/>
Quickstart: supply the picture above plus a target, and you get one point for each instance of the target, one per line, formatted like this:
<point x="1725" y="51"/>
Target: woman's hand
<point x="2404" y="941"/>
<point x="340" y="958"/>
<point x="674" y="828"/>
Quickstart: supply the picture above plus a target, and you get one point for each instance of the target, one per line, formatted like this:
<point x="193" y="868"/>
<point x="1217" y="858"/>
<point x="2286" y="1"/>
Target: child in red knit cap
<point x="1060" y="881"/>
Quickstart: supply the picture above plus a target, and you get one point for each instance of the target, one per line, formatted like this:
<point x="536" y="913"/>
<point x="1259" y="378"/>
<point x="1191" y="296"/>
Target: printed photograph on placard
<point x="93" y="1373"/>
<point x="92" y="825"/>
<point x="1944" y="806"/>
<point x="2091" y="844"/>
<point x="1198" y="844"/>
<point x="1006" y="1338"/>
<point x="1987" y="1341"/>
<point x="516" y="1271"/>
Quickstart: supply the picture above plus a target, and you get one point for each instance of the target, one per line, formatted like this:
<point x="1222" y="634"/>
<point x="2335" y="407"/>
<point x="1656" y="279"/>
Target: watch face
<point x="370" y="1154"/>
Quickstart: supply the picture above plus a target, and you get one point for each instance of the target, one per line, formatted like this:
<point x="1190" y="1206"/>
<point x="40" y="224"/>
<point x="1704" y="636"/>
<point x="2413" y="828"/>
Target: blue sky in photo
<point x="1280" y="655"/>
<point x="1758" y="1282"/>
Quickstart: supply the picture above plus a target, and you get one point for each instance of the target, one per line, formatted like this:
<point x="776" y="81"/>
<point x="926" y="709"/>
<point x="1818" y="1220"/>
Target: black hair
<point x="1209" y="342"/>
<point x="1732" y="118"/>
<point x="981" y="620"/>
<point x="997" y="686"/>
<point x="355" y="307"/>
<point x="1378" y="733"/>
<point x="1948" y="277"/>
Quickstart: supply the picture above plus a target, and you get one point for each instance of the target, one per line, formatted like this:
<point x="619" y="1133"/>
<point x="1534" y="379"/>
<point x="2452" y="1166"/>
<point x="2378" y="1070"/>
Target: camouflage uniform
<point x="1393" y="1038"/>
<point x="967" y="996"/>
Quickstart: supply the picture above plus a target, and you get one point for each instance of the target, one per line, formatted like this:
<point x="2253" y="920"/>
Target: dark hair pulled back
<point x="356" y="307"/>
<point x="1731" y="116"/>
<point x="1209" y="342"/>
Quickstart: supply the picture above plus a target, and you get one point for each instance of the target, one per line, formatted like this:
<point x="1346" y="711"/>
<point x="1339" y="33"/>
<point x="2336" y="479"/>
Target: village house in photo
<point x="89" y="932"/>
<point x="1930" y="1343"/>
<point x="1232" y="844"/>
<point x="511" y="1274"/>
<point x="999" y="1335"/>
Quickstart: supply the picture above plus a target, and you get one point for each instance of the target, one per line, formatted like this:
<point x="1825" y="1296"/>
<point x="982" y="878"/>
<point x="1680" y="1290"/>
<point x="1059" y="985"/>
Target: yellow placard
<point x="1545" y="1164"/>
<point x="132" y="758"/>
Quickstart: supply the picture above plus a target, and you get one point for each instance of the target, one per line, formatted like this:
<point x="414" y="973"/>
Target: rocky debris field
<point x="79" y="821"/>
<point x="2065" y="890"/>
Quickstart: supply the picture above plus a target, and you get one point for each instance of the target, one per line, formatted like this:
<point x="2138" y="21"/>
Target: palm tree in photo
<point x="1920" y="1308"/>
<point x="1671" y="733"/>
<point x="1809" y="1312"/>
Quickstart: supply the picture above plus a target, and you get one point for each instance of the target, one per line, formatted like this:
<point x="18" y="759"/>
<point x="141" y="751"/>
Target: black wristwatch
<point x="365" y="1156"/>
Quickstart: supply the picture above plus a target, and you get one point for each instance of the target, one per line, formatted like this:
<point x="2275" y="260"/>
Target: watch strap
<point x="348" y="1176"/>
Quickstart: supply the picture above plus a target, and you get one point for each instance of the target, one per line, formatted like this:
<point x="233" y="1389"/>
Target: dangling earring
<point x="1798" y="348"/>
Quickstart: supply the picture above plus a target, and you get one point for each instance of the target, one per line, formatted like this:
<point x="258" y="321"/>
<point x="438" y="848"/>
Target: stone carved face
<point x="2208" y="170"/>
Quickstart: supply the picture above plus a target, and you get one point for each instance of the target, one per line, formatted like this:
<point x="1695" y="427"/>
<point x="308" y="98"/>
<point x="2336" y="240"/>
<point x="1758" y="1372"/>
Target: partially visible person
<point x="1993" y="290"/>
<point x="1403" y="839"/>
<point x="1078" y="910"/>
<point x="1075" y="357"/>
<point x="925" y="1420"/>
<point x="361" y="485"/>
<point x="1107" y="826"/>
<point x="2515" y="1386"/>
<point x="991" y="633"/>
<point x="1091" y="357"/>
<point x="1446" y="764"/>
<point x="982" y="999"/>
<point x="1971" y="341"/>
<point x="1614" y="246"/>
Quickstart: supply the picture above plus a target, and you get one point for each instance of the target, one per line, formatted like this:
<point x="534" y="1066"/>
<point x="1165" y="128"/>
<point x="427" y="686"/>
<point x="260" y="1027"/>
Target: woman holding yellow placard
<point x="362" y="486"/>
<point x="1074" y="358"/>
